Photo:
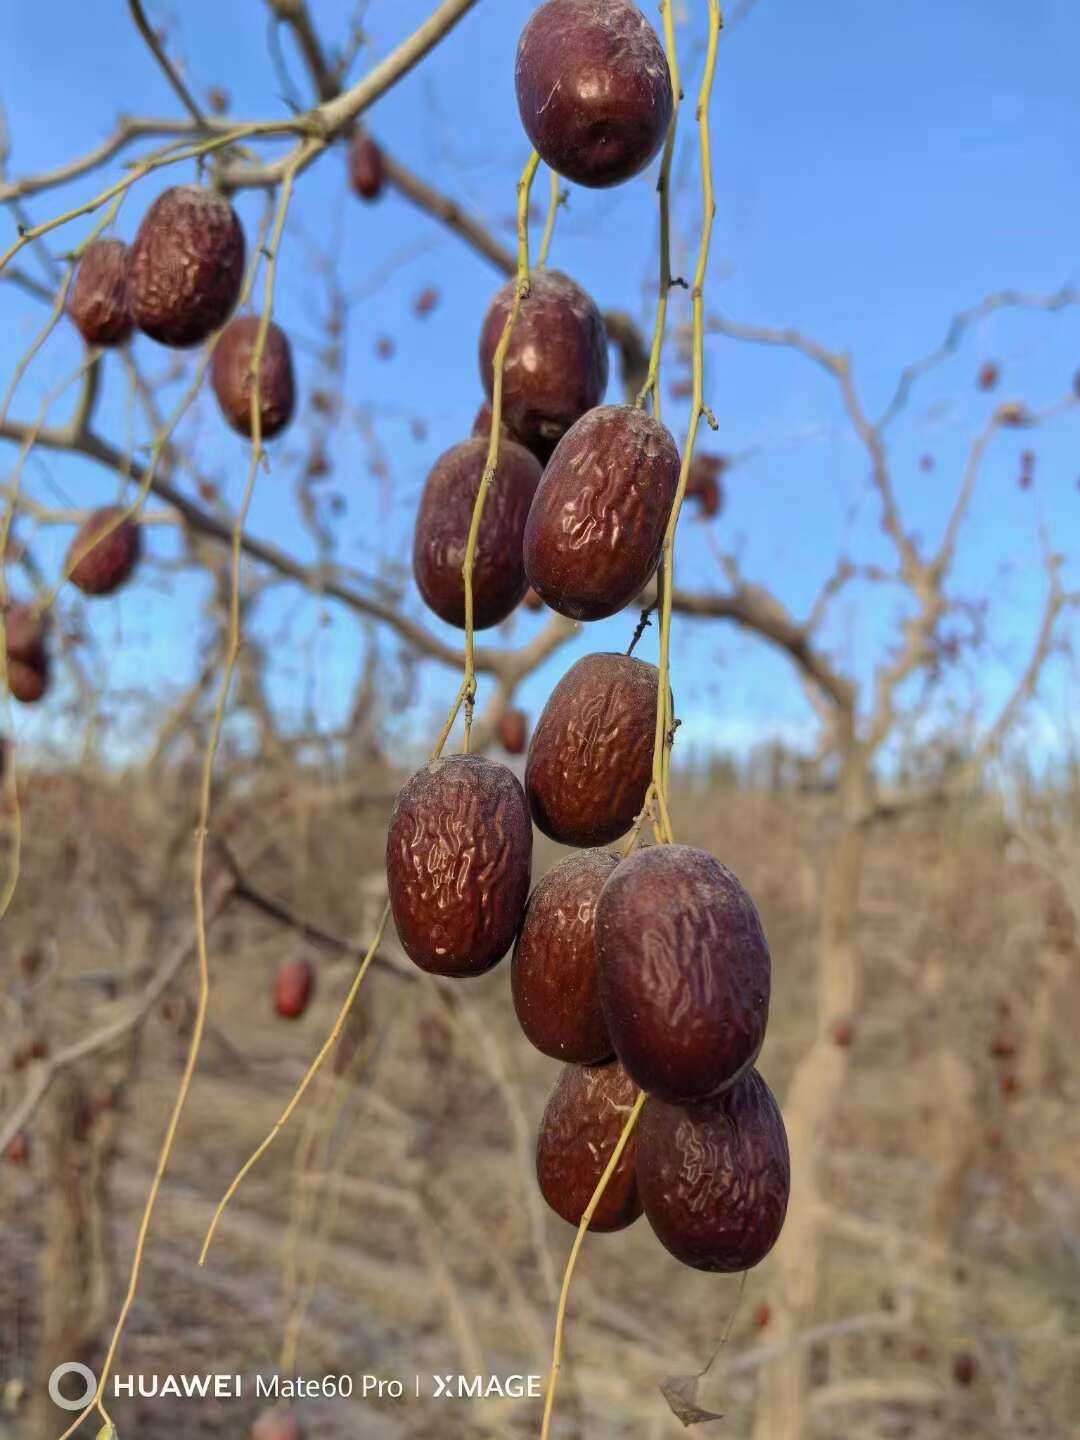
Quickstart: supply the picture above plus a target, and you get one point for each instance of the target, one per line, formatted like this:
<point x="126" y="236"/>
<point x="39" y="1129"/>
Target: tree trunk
<point x="808" y="1108"/>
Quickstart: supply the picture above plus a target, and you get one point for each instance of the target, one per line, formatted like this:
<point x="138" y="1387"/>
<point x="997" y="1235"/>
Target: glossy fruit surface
<point x="581" y="1126"/>
<point x="590" y="759"/>
<point x="230" y="374"/>
<point x="684" y="971"/>
<point x="101" y="294"/>
<point x="458" y="856"/>
<point x="714" y="1177"/>
<point x="442" y="532"/>
<point x="366" y="173"/>
<point x="187" y="266"/>
<point x="596" y="527"/>
<point x="593" y="89"/>
<point x="104" y="552"/>
<point x="553" y="974"/>
<point x="293" y="986"/>
<point x="556" y="363"/>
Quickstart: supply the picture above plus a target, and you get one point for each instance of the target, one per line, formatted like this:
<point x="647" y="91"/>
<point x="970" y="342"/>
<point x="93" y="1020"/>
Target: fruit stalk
<point x="467" y="693"/>
<point x="663" y="191"/>
<point x="202" y="828"/>
<point x="698" y="408"/>
<point x="554" y="202"/>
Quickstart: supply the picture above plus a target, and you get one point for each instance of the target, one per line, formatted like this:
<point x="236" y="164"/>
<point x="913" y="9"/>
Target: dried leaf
<point x="681" y="1394"/>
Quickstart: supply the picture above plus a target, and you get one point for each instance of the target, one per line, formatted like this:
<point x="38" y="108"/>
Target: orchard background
<point x="872" y="671"/>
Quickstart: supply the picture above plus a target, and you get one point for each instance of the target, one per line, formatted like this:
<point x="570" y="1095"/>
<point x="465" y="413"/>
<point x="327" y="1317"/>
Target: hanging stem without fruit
<point x="698" y="408"/>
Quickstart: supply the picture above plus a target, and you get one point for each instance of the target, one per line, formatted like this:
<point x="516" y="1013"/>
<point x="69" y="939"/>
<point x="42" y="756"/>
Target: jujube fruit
<point x="714" y="1177"/>
<point x="104" y="552"/>
<point x="101" y="294"/>
<point x="596" y="527"/>
<point x="187" y="266"/>
<point x="366" y="171"/>
<point x="27" y="657"/>
<point x="556" y="364"/>
<point x="513" y="731"/>
<point x="684" y="971"/>
<point x="293" y="984"/>
<point x="593" y="88"/>
<point x="442" y="532"/>
<point x="230" y="375"/>
<point x="458" y="856"/>
<point x="590" y="759"/>
<point x="585" y="1115"/>
<point x="553" y="974"/>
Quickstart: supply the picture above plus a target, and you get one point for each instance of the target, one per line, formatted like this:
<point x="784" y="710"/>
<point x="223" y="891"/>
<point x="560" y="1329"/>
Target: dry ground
<point x="395" y="1229"/>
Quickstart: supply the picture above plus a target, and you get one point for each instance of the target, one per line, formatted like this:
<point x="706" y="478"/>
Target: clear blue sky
<point x="878" y="168"/>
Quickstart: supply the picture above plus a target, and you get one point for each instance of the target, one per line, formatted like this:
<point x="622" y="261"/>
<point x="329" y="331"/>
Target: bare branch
<point x="146" y="30"/>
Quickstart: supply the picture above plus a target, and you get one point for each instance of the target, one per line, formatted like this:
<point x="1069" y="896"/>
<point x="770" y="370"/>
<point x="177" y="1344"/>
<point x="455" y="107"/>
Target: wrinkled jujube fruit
<point x="584" y="1117"/>
<point x="556" y="363"/>
<point x="27" y="657"/>
<point x="230" y="375"/>
<point x="293" y="984"/>
<point x="593" y="89"/>
<point x="458" y="857"/>
<point x="442" y="532"/>
<point x="513" y="731"/>
<point x="553" y="972"/>
<point x="366" y="173"/>
<point x="187" y="266"/>
<point x="101" y="294"/>
<point x="596" y="527"/>
<point x="98" y="566"/>
<point x="714" y="1176"/>
<point x="590" y="759"/>
<point x="684" y="971"/>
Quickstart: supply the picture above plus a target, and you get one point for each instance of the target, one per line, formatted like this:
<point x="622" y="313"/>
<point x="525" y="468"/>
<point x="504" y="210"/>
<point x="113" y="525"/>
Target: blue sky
<point x="877" y="167"/>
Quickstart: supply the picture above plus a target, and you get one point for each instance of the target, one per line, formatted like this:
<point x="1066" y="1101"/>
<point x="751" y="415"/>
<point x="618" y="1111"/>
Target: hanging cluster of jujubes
<point x="179" y="283"/>
<point x="649" y="972"/>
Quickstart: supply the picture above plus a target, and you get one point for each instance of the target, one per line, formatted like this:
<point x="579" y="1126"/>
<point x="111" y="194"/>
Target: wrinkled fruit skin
<point x="590" y="760"/>
<point x="596" y="527"/>
<point x="714" y="1177"/>
<point x="366" y="173"/>
<point x="581" y="1126"/>
<point x="556" y="364"/>
<point x="458" y="857"/>
<point x="27" y="657"/>
<point x="293" y="985"/>
<point x="101" y="295"/>
<point x="513" y="731"/>
<point x="593" y="89"/>
<point x="230" y="375"/>
<point x="98" y="567"/>
<point x="684" y="971"/>
<point x="553" y="974"/>
<point x="187" y="265"/>
<point x="442" y="532"/>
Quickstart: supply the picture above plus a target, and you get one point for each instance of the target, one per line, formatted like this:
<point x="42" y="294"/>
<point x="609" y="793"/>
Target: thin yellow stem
<point x="521" y="289"/>
<point x="664" y="715"/>
<point x="202" y="827"/>
<point x="663" y="190"/>
<point x="556" y="199"/>
<point x="568" y="1274"/>
<point x="301" y="1089"/>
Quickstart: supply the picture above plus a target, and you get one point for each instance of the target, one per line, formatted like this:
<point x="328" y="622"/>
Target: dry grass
<point x="422" y="1247"/>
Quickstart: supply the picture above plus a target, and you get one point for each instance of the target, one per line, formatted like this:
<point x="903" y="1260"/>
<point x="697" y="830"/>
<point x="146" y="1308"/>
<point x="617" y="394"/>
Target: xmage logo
<point x="484" y="1387"/>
